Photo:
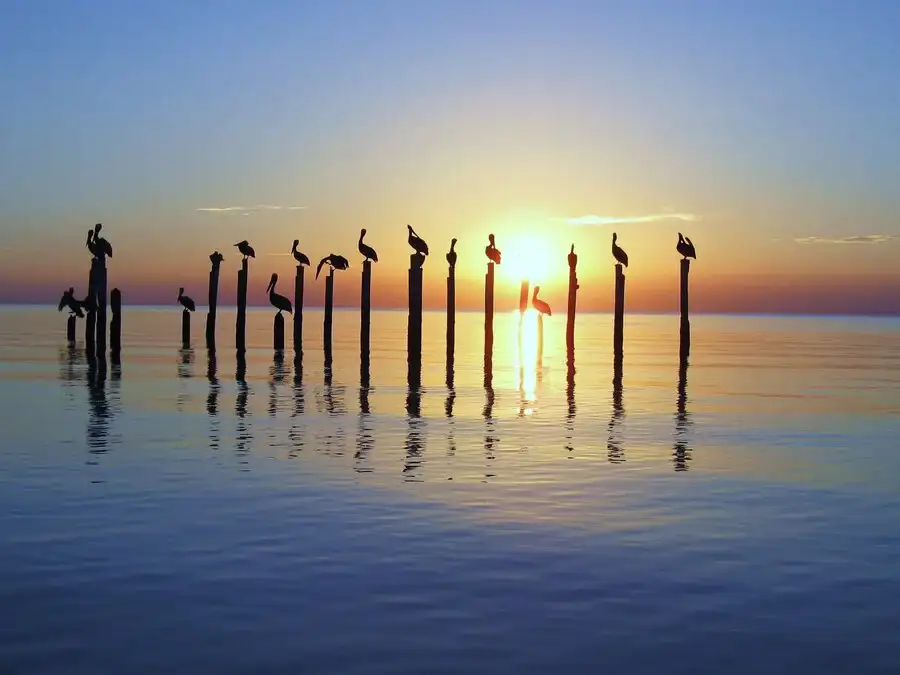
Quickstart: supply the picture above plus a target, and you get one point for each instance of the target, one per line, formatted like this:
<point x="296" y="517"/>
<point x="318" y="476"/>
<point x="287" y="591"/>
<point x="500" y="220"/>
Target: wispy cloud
<point x="595" y="220"/>
<point x="248" y="209"/>
<point x="856" y="239"/>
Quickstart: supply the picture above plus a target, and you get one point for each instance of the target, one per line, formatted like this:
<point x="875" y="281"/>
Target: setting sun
<point x="528" y="257"/>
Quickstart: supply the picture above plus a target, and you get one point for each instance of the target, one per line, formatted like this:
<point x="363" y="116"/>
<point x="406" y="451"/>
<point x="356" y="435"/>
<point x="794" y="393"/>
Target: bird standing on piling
<point x="90" y="243"/>
<point x="451" y="254"/>
<point x="246" y="249"/>
<point x="418" y="244"/>
<point x="185" y="301"/>
<point x="491" y="250"/>
<point x="216" y="258"/>
<point x="101" y="246"/>
<point x="620" y="255"/>
<point x="298" y="256"/>
<point x="68" y="301"/>
<point x="685" y="247"/>
<point x="365" y="249"/>
<point x="279" y="302"/>
<point x="539" y="304"/>
<point x="335" y="261"/>
<point x="573" y="257"/>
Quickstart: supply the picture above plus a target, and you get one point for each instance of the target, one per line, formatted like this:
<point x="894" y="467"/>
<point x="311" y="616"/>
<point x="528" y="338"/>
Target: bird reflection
<point x="243" y="437"/>
<point x="570" y="399"/>
<point x="614" y="451"/>
<point x="212" y="400"/>
<point x="365" y="441"/>
<point x="414" y="436"/>
<point x="100" y="413"/>
<point x="683" y="423"/>
<point x="332" y="400"/>
<point x="295" y="433"/>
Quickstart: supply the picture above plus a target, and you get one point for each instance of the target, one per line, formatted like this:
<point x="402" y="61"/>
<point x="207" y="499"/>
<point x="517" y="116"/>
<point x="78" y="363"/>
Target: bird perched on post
<point x="68" y="301"/>
<point x="246" y="249"/>
<point x="685" y="247"/>
<point x="279" y="302"/>
<point x="185" y="301"/>
<point x="539" y="304"/>
<point x="367" y="251"/>
<point x="620" y="255"/>
<point x="451" y="254"/>
<point x="298" y="256"/>
<point x="216" y="258"/>
<point x="418" y="244"/>
<point x="573" y="257"/>
<point x="335" y="261"/>
<point x="491" y="250"/>
<point x="101" y="247"/>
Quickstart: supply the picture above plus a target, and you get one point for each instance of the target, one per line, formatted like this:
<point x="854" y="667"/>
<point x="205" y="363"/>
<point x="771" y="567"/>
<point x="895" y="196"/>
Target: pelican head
<point x="409" y="227"/>
<point x="491" y="239"/>
<point x="272" y="282"/>
<point x="614" y="238"/>
<point x="453" y="242"/>
<point x="362" y="232"/>
<point x="572" y="250"/>
<point x="242" y="243"/>
<point x="680" y="236"/>
<point x="536" y="290"/>
<point x="180" y="292"/>
<point x="97" y="228"/>
<point x="296" y="244"/>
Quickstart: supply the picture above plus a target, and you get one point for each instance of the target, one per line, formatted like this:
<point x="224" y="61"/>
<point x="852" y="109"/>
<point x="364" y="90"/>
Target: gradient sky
<point x="767" y="131"/>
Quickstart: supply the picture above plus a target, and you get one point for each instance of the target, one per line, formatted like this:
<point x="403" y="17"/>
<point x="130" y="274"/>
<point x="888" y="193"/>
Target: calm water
<point x="173" y="514"/>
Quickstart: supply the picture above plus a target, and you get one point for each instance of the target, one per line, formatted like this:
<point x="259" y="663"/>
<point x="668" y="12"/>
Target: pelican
<point x="365" y="249"/>
<point x="491" y="250"/>
<point x="618" y="253"/>
<point x="539" y="304"/>
<point x="90" y="243"/>
<point x="185" y="301"/>
<point x="246" y="249"/>
<point x="68" y="300"/>
<point x="299" y="257"/>
<point x="216" y="258"/>
<point x="418" y="244"/>
<point x="685" y="247"/>
<point x="451" y="254"/>
<point x="279" y="302"/>
<point x="573" y="258"/>
<point x="101" y="246"/>
<point x="337" y="262"/>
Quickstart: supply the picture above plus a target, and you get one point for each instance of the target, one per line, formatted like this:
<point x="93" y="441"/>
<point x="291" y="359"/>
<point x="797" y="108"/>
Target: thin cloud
<point x="247" y="209"/>
<point x="597" y="221"/>
<point x="856" y="239"/>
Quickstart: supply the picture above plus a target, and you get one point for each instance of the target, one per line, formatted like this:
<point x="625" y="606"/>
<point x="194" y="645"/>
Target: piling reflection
<point x="277" y="377"/>
<point x="212" y="400"/>
<point x="185" y="371"/>
<point x="331" y="401"/>
<point x="682" y="452"/>
<point x="365" y="439"/>
<point x="296" y="433"/>
<point x="614" y="452"/>
<point x="570" y="400"/>
<point x="100" y="412"/>
<point x="490" y="429"/>
<point x="243" y="437"/>
<point x="414" y="432"/>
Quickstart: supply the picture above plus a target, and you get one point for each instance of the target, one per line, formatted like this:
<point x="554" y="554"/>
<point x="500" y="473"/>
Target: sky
<point x="766" y="131"/>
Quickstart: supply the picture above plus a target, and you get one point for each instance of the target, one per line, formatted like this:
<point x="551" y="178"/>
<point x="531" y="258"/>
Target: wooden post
<point x="489" y="315"/>
<point x="684" y="349"/>
<point x="278" y="333"/>
<point x="213" y="304"/>
<point x="240" y="337"/>
<point x="101" y="299"/>
<point x="414" y="324"/>
<point x="619" y="321"/>
<point x="298" y="311"/>
<point x="70" y="330"/>
<point x="573" y="292"/>
<point x="115" y="326"/>
<point x="329" y="308"/>
<point x="451" y="320"/>
<point x="540" y="340"/>
<point x="90" y="322"/>
<point x="185" y="329"/>
<point x="365" y="313"/>
<point x="523" y="298"/>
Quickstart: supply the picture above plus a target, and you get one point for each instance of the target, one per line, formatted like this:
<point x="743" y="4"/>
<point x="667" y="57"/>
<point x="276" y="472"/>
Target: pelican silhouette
<point x="68" y="301"/>
<point x="337" y="262"/>
<point x="365" y="249"/>
<point x="451" y="254"/>
<point x="246" y="249"/>
<point x="618" y="253"/>
<point x="279" y="302"/>
<point x="101" y="246"/>
<point x="185" y="301"/>
<point x="685" y="247"/>
<point x="418" y="244"/>
<point x="90" y="243"/>
<point x="216" y="258"/>
<point x="539" y="304"/>
<point x="573" y="257"/>
<point x="299" y="257"/>
<point x="491" y="250"/>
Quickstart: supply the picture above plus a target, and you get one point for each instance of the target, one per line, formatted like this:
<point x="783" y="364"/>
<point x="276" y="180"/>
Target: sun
<point x="527" y="257"/>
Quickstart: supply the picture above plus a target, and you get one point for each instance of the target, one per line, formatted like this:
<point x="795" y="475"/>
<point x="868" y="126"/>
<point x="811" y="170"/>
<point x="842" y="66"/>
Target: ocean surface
<point x="176" y="513"/>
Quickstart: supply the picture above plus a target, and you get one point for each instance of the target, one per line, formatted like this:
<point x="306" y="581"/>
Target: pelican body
<point x="216" y="258"/>
<point x="279" y="302"/>
<point x="335" y="261"/>
<point x="620" y="255"/>
<point x="451" y="254"/>
<point x="102" y="248"/>
<point x="298" y="256"/>
<point x="685" y="247"/>
<point x="416" y="242"/>
<point x="367" y="251"/>
<point x="491" y="250"/>
<point x="246" y="249"/>
<point x="539" y="304"/>
<point x="573" y="257"/>
<point x="185" y="301"/>
<point x="68" y="301"/>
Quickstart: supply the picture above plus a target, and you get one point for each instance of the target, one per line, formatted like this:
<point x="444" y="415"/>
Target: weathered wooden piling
<point x="329" y="310"/>
<point x="684" y="349"/>
<point x="298" y="310"/>
<point x="365" y="310"/>
<point x="619" y="316"/>
<point x="90" y="321"/>
<point x="185" y="329"/>
<point x="115" y="325"/>
<point x="451" y="318"/>
<point x="240" y="337"/>
<point x="216" y="260"/>
<point x="570" y="308"/>
<point x="278" y="333"/>
<point x="489" y="314"/>
<point x="70" y="330"/>
<point x="414" y="323"/>
<point x="523" y="298"/>
<point x="100" y="295"/>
